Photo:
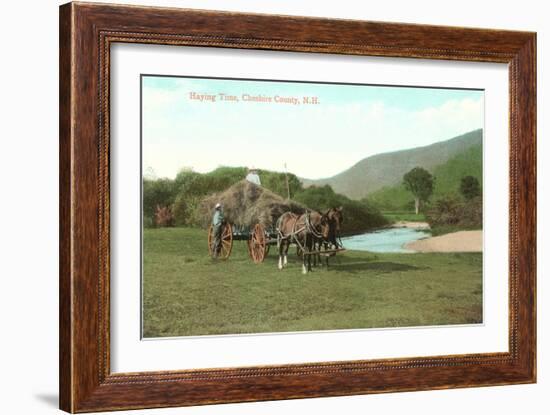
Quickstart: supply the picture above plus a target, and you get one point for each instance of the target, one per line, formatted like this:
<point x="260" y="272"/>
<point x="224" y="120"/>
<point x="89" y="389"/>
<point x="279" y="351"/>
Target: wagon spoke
<point x="226" y="241"/>
<point x="257" y="244"/>
<point x="226" y="231"/>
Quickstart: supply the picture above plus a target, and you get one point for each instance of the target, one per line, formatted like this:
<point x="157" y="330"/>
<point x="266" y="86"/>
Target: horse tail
<point x="278" y="223"/>
<point x="278" y="228"/>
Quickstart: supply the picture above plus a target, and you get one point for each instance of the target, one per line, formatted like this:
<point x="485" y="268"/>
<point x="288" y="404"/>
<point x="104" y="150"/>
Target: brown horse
<point x="302" y="230"/>
<point x="335" y="219"/>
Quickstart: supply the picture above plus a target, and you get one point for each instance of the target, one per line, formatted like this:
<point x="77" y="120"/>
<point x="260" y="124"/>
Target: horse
<point x="335" y="219"/>
<point x="302" y="230"/>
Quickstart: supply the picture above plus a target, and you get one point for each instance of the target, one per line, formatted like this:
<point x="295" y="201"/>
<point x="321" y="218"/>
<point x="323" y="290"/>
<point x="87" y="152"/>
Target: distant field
<point x="187" y="293"/>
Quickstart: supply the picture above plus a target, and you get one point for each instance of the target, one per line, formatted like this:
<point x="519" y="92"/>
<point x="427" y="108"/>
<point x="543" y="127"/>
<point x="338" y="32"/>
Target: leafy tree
<point x="276" y="182"/>
<point x="420" y="183"/>
<point x="469" y="187"/>
<point x="319" y="197"/>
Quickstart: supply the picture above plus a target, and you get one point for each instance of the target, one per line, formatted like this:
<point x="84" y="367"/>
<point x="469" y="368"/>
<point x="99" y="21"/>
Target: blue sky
<point x="350" y="122"/>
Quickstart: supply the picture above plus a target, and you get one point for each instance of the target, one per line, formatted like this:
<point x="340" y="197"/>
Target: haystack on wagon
<point x="250" y="212"/>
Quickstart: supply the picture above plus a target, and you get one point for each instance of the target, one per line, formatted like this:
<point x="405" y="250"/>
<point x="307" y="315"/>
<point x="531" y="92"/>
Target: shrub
<point x="445" y="211"/>
<point x="472" y="214"/>
<point x="181" y="210"/>
<point x="469" y="187"/>
<point x="359" y="216"/>
<point x="452" y="211"/>
<point x="164" y="216"/>
<point x="160" y="192"/>
<point x="186" y="210"/>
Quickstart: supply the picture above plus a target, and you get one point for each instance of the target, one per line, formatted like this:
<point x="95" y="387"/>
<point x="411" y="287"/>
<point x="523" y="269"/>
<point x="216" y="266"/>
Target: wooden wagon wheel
<point x="257" y="244"/>
<point x="227" y="241"/>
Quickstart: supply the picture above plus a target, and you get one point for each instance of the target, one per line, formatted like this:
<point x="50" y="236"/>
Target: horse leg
<point x="315" y="256"/>
<point x="326" y="256"/>
<point x="310" y="243"/>
<point x="280" y="249"/>
<point x="304" y="269"/>
<point x="317" y="247"/>
<point x="285" y="260"/>
<point x="304" y="255"/>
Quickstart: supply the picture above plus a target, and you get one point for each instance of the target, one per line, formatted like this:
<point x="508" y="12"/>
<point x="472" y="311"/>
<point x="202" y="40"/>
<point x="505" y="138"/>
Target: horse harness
<point x="308" y="226"/>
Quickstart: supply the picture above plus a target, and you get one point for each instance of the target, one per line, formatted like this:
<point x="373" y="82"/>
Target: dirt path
<point x="463" y="241"/>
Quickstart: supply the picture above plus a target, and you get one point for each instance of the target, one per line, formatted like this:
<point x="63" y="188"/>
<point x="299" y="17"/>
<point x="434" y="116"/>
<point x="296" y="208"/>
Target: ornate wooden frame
<point x="86" y="33"/>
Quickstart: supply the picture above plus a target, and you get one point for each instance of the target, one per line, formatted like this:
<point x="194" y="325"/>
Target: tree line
<point x="183" y="194"/>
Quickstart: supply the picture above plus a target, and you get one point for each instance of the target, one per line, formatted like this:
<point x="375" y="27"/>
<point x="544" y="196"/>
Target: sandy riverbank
<point x="411" y="225"/>
<point x="463" y="241"/>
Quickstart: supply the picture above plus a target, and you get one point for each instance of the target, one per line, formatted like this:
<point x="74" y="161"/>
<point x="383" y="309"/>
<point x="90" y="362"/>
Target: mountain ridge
<point x="387" y="169"/>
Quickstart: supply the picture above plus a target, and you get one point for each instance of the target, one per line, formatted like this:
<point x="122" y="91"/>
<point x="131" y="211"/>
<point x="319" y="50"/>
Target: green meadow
<point x="185" y="292"/>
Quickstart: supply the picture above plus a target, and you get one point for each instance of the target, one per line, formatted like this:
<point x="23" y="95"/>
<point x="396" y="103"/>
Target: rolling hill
<point x="387" y="169"/>
<point x="447" y="181"/>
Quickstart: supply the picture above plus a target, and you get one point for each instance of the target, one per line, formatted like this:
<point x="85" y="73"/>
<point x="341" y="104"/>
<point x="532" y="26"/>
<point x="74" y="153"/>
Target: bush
<point x="148" y="222"/>
<point x="359" y="216"/>
<point x="319" y="197"/>
<point x="276" y="182"/>
<point x="445" y="211"/>
<point x="469" y="187"/>
<point x="161" y="192"/>
<point x="452" y="211"/>
<point x="185" y="210"/>
<point x="164" y="217"/>
<point x="472" y="214"/>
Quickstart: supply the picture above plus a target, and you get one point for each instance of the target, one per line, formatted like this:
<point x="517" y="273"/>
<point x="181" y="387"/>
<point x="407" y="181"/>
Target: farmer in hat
<point x="253" y="176"/>
<point x="217" y="223"/>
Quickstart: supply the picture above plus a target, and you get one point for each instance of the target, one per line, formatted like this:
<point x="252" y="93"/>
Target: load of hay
<point x="245" y="204"/>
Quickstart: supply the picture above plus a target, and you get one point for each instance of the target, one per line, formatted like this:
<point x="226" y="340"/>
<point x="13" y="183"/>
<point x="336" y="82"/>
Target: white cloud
<point x="317" y="141"/>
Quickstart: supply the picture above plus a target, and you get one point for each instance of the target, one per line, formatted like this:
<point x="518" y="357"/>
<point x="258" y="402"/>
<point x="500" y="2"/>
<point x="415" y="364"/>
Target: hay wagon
<point x="251" y="212"/>
<point x="258" y="240"/>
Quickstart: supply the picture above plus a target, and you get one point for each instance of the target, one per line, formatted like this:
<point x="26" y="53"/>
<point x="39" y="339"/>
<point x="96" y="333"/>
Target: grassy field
<point x="187" y="293"/>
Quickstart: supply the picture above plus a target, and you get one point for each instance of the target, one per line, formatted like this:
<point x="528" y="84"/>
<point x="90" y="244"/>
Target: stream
<point x="385" y="240"/>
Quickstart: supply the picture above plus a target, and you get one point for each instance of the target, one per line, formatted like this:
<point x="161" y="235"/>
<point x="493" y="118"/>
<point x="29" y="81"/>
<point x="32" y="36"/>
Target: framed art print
<point x="261" y="207"/>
